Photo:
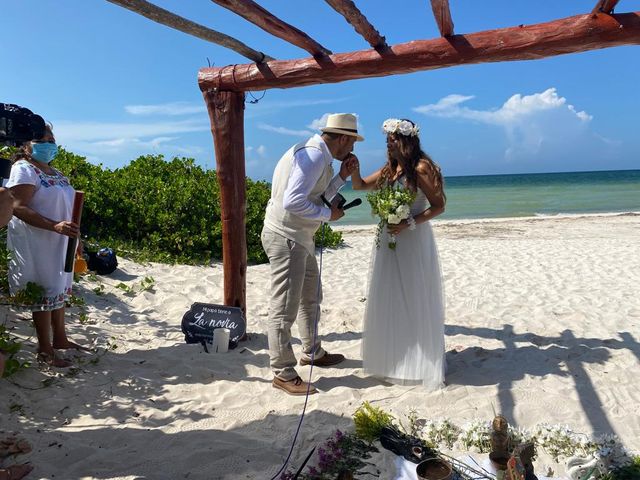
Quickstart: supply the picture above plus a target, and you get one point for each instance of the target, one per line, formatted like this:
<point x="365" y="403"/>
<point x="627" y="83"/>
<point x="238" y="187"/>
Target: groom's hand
<point x="349" y="165"/>
<point x="336" y="212"/>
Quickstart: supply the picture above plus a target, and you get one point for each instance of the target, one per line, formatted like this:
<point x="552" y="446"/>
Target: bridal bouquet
<point x="391" y="204"/>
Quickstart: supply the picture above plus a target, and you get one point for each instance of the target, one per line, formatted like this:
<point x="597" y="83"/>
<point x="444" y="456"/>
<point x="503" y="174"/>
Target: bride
<point x="403" y="336"/>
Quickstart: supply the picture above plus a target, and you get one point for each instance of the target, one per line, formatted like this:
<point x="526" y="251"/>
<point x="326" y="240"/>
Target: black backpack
<point x="103" y="261"/>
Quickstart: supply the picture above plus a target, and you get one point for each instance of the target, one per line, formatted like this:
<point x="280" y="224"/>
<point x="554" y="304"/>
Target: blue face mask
<point x="44" y="152"/>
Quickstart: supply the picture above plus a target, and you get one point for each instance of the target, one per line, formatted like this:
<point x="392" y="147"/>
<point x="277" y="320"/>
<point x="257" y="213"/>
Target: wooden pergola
<point x="224" y="87"/>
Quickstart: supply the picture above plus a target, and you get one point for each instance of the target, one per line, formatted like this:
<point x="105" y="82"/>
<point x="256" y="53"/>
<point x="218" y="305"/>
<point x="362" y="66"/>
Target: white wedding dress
<point x="403" y="335"/>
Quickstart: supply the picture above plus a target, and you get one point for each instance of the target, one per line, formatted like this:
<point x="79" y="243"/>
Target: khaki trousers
<point x="295" y="293"/>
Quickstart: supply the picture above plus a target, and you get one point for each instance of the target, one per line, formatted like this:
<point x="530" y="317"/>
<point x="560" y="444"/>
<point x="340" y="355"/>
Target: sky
<point x="116" y="85"/>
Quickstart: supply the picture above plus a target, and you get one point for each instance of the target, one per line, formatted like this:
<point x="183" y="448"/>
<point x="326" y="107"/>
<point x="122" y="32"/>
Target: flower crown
<point x="403" y="127"/>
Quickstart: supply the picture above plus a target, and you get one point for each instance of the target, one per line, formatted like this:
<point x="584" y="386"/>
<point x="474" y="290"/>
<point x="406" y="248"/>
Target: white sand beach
<point x="543" y="318"/>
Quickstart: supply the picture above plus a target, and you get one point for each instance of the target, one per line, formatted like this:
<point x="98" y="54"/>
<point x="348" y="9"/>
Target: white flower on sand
<point x="394" y="219"/>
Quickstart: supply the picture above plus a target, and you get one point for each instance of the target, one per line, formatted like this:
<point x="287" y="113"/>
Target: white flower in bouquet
<point x="394" y="219"/>
<point x="403" y="211"/>
<point x="392" y="205"/>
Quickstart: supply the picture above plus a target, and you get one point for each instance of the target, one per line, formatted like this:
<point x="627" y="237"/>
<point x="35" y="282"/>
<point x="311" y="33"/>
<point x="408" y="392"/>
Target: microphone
<point x="352" y="203"/>
<point x="342" y="202"/>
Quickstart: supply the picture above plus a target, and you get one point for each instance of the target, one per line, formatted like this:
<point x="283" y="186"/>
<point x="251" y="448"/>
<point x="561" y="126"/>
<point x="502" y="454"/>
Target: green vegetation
<point x="10" y="347"/>
<point x="628" y="472"/>
<point x="166" y="211"/>
<point x="149" y="210"/>
<point x="370" y="420"/>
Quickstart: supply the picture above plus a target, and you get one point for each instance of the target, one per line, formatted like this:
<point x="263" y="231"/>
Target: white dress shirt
<point x="308" y="165"/>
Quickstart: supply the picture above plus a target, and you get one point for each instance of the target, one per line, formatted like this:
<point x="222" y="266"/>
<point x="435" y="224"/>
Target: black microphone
<point x="341" y="202"/>
<point x="352" y="203"/>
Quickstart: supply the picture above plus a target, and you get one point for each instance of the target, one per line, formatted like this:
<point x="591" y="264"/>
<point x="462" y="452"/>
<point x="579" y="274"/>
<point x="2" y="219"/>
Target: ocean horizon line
<point x="540" y="216"/>
<point x="539" y="173"/>
<point x="544" y="173"/>
<point x="526" y="195"/>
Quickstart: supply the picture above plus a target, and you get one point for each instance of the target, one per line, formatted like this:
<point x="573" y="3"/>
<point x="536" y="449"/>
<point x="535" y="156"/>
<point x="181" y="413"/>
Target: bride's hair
<point x="410" y="155"/>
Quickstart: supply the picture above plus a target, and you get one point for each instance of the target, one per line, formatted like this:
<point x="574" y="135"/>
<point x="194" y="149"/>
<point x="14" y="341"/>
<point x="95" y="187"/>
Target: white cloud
<point x="285" y="131"/>
<point x="115" y="144"/>
<point x="531" y="123"/>
<point x="301" y="103"/>
<point x="264" y="107"/>
<point x="515" y="110"/>
<point x="446" y="107"/>
<point x="317" y="123"/>
<point x="173" y="108"/>
<point x="95" y="131"/>
<point x="260" y="151"/>
<point x="122" y="150"/>
<point x="313" y="127"/>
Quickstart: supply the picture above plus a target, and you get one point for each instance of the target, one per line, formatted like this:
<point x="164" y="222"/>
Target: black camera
<point x="17" y="126"/>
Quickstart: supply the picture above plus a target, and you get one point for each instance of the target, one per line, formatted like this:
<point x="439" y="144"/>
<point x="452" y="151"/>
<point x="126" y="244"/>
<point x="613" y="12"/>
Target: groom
<point x="294" y="213"/>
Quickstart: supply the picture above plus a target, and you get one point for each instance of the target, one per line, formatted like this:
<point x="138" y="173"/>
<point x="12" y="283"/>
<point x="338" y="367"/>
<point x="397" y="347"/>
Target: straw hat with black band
<point x="344" y="124"/>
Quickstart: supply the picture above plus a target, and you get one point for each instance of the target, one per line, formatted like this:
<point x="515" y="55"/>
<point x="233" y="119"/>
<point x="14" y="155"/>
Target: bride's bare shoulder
<point x="425" y="167"/>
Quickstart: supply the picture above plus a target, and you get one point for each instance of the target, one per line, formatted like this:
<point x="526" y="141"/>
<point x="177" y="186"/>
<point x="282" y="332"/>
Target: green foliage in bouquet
<point x="370" y="420"/>
<point x="159" y="210"/>
<point x="392" y="205"/>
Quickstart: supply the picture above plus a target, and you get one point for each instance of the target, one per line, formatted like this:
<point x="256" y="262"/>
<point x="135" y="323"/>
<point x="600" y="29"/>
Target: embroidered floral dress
<point x="38" y="255"/>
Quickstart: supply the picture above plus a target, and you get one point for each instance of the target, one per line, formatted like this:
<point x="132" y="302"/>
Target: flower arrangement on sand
<point x="349" y="455"/>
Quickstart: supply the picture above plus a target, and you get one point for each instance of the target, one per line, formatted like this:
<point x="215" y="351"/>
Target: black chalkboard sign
<point x="199" y="322"/>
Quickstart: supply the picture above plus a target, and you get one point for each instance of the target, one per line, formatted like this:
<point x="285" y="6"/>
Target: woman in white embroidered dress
<point x="403" y="335"/>
<point x="37" y="237"/>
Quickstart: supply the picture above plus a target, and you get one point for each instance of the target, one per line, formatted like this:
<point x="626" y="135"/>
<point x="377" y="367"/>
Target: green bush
<point x="167" y="211"/>
<point x="10" y="347"/>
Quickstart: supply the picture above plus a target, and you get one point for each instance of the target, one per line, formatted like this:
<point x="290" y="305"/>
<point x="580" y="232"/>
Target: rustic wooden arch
<point x="224" y="88"/>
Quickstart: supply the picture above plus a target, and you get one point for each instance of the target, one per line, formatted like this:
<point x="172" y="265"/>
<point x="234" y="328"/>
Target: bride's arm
<point x="359" y="183"/>
<point x="435" y="195"/>
<point x="433" y="192"/>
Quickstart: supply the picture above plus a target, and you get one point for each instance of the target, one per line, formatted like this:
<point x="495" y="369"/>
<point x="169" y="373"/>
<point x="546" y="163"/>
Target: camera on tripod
<point x="17" y="126"/>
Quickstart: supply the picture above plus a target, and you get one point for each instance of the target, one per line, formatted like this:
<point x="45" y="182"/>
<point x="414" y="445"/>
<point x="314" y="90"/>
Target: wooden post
<point x="226" y="113"/>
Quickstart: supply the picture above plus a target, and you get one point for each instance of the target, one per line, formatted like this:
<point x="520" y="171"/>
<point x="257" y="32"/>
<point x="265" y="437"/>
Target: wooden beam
<point x="442" y="14"/>
<point x="254" y="13"/>
<point x="353" y="15"/>
<point x="165" y="17"/>
<point x="226" y="113"/>
<point x="605" y="6"/>
<point x="570" y="35"/>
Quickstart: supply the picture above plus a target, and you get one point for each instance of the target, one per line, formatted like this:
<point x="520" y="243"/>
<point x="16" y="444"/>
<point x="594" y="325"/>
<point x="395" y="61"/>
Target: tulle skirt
<point x="403" y="335"/>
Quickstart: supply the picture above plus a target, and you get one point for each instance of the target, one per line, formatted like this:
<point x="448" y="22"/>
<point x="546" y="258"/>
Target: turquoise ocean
<point x="525" y="195"/>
